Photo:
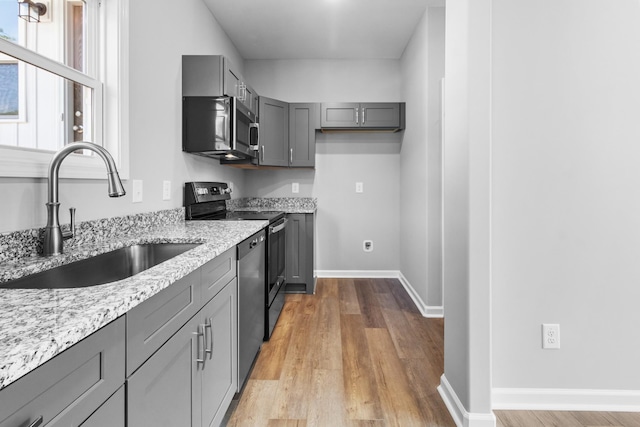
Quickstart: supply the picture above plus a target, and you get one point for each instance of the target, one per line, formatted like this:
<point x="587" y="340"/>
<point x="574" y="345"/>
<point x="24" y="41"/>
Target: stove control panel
<point x="201" y="192"/>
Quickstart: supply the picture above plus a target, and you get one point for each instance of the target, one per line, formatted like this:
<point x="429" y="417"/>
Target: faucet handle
<point x="72" y="225"/>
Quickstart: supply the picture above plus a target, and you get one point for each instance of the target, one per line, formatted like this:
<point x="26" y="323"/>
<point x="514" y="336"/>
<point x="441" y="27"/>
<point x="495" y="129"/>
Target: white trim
<point x="547" y="399"/>
<point x="358" y="274"/>
<point x="425" y="310"/>
<point x="460" y="416"/>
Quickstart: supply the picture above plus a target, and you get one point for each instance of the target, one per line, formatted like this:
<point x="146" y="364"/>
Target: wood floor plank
<point x="252" y="409"/>
<point x="361" y="398"/>
<point x="626" y="419"/>
<point x="326" y="403"/>
<point x="396" y="395"/>
<point x="403" y="299"/>
<point x="518" y="419"/>
<point x="593" y="419"/>
<point x="287" y="423"/>
<point x="325" y="347"/>
<point x="369" y="304"/>
<point x="348" y="297"/>
<point x="273" y="353"/>
<point x="557" y="419"/>
<point x="402" y="333"/>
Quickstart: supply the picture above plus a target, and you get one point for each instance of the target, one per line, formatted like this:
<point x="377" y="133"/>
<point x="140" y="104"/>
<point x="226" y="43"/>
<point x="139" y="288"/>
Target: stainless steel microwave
<point x="219" y="127"/>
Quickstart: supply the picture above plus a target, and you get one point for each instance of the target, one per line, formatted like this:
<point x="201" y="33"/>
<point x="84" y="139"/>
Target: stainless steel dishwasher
<point x="251" y="290"/>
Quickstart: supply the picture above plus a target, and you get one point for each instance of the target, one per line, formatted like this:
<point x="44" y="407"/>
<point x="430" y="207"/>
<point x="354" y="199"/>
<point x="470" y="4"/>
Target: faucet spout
<point x="53" y="237"/>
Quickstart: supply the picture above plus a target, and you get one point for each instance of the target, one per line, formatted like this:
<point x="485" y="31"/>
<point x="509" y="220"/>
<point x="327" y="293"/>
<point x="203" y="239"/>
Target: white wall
<point x="344" y="218"/>
<point x="421" y="158"/>
<point x="566" y="210"/>
<point x="159" y="36"/>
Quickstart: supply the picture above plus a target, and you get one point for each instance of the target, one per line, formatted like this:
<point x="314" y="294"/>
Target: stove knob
<point x="225" y="191"/>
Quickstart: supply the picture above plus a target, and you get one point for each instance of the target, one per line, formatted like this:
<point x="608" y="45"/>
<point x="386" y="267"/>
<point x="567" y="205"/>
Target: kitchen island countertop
<point x="38" y="324"/>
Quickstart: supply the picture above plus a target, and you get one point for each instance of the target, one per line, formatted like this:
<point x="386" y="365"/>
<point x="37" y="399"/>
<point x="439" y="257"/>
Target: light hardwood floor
<point x="359" y="353"/>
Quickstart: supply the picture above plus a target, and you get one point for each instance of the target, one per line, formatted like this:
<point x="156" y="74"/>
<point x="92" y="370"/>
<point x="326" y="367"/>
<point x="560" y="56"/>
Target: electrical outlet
<point x="295" y="187"/>
<point x="367" y="246"/>
<point x="550" y="336"/>
<point x="166" y="190"/>
<point x="359" y="187"/>
<point x="136" y="193"/>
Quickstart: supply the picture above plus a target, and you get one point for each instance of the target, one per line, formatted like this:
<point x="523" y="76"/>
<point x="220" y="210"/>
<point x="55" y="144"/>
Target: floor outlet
<point x="166" y="190"/>
<point x="367" y="245"/>
<point x="550" y="336"/>
<point x="295" y="187"/>
<point x="136" y="193"/>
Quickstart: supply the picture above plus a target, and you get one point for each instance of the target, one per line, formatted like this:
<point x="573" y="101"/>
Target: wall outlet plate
<point x="367" y="246"/>
<point x="550" y="336"/>
<point x="166" y="190"/>
<point x="359" y="187"/>
<point x="136" y="192"/>
<point x="295" y="187"/>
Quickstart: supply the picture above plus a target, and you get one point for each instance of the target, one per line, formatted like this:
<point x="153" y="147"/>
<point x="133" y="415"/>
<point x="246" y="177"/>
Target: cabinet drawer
<point x="66" y="390"/>
<point x="154" y="321"/>
<point x="217" y="273"/>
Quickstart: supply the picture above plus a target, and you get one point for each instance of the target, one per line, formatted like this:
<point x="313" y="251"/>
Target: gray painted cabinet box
<point x="299" y="253"/>
<point x="66" y="390"/>
<point x="363" y="116"/>
<point x="288" y="133"/>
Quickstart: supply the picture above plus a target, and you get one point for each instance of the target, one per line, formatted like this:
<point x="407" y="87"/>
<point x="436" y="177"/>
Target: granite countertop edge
<point x="38" y="324"/>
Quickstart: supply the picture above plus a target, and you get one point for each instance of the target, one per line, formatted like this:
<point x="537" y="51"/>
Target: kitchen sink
<point x="105" y="268"/>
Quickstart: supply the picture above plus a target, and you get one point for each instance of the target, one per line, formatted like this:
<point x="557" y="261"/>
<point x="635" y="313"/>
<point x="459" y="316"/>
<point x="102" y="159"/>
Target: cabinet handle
<point x="357" y="116"/>
<point x="364" y="115"/>
<point x="198" y="335"/>
<point x="37" y="422"/>
<point x="290" y="156"/>
<point x="209" y="346"/>
<point x="262" y="147"/>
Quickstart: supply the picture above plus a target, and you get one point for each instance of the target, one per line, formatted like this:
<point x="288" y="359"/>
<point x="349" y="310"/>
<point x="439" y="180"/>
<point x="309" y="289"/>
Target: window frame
<point x="110" y="101"/>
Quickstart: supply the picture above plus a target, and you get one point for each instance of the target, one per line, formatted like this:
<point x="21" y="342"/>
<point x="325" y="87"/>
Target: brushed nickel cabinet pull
<point x="198" y="335"/>
<point x="37" y="422"/>
<point x="208" y="345"/>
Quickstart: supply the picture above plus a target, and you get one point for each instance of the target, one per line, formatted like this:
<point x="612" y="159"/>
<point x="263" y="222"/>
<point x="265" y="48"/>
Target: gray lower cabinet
<point x="69" y="388"/>
<point x="192" y="378"/>
<point x="110" y="414"/>
<point x="300" y="254"/>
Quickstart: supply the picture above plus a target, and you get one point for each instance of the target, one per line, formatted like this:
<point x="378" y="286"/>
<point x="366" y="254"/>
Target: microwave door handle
<point x="255" y="126"/>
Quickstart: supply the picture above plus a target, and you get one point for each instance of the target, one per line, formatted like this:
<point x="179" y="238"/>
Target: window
<point x="60" y="83"/>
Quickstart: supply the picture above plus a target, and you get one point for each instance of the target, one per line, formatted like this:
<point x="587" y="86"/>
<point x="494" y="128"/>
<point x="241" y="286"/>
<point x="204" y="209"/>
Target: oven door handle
<point x="279" y="227"/>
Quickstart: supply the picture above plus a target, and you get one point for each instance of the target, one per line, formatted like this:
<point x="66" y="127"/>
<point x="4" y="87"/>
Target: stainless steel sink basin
<point x="105" y="268"/>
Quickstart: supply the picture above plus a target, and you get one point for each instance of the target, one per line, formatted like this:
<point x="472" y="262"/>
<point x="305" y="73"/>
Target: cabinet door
<point x="110" y="414"/>
<point x="303" y="122"/>
<point x="380" y="115"/>
<point x="161" y="392"/>
<point x="151" y="323"/>
<point x="232" y="79"/>
<point x="67" y="389"/>
<point x="299" y="251"/>
<point x="274" y="132"/>
<point x="340" y="115"/>
<point x="218" y="375"/>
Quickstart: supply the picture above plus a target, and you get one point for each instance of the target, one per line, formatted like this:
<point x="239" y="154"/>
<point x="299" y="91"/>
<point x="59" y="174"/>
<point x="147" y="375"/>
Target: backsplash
<point x="27" y="243"/>
<point x="287" y="204"/>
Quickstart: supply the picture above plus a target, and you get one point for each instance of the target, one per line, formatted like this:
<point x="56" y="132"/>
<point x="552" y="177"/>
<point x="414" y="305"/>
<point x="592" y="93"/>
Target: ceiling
<point x="319" y="29"/>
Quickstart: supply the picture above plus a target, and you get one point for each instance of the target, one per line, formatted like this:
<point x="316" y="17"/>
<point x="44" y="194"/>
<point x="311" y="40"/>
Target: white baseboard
<point x="358" y="274"/>
<point x="566" y="399"/>
<point x="458" y="412"/>
<point x="426" y="310"/>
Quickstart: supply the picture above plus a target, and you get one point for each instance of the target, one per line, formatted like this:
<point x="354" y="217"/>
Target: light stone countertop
<point x="37" y="324"/>
<point x="293" y="205"/>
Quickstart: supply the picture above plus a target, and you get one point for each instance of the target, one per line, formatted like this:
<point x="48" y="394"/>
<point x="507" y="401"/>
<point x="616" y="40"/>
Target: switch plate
<point x="136" y="192"/>
<point x="166" y="190"/>
<point x="295" y="187"/>
<point x="550" y="336"/>
<point x="359" y="187"/>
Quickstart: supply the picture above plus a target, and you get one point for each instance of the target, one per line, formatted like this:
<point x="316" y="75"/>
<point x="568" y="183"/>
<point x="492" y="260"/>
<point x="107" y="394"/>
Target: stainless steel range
<point x="207" y="201"/>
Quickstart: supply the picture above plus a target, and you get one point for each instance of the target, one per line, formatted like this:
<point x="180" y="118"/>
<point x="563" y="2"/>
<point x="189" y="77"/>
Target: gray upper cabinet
<point x="274" y="132"/>
<point x="287" y="133"/>
<point x="215" y="75"/>
<point x="304" y="119"/>
<point x="369" y="116"/>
